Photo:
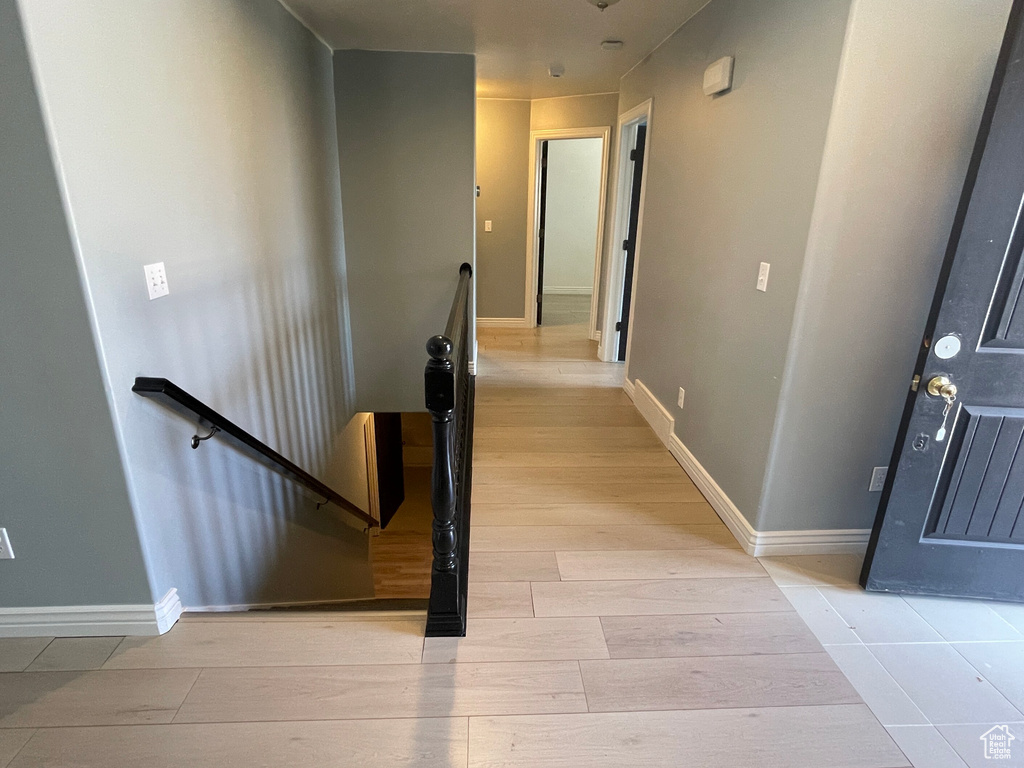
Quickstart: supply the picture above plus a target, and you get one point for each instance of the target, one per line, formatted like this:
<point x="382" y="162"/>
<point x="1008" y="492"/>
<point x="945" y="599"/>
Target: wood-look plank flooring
<point x="402" y="553"/>
<point x="613" y="622"/>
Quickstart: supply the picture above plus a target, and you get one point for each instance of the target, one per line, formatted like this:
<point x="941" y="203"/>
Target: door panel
<point x="980" y="500"/>
<point x="1004" y="327"/>
<point x="629" y="246"/>
<point x="950" y="520"/>
<point x="541" y="231"/>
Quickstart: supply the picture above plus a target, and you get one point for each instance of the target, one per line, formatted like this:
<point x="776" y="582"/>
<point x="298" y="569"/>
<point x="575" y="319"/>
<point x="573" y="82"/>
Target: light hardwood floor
<point x="402" y="553"/>
<point x="613" y="622"/>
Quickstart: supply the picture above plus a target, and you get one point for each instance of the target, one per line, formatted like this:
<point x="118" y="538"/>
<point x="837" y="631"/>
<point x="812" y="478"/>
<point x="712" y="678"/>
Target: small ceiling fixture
<point x="602" y="4"/>
<point x="556" y="70"/>
<point x="612" y="45"/>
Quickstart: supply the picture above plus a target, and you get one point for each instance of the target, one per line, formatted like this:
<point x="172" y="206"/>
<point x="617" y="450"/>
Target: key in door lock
<point x="941" y="386"/>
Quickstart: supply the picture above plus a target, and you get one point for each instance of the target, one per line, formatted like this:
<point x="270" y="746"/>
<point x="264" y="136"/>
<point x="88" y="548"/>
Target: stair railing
<point x="450" y="393"/>
<point x="173" y="397"/>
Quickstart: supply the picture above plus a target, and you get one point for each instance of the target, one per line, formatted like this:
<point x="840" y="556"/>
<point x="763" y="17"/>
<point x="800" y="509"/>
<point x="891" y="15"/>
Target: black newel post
<point x="444" y="618"/>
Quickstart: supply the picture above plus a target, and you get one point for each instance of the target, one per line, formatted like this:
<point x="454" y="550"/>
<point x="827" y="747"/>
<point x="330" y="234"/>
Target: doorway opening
<point x="567" y="213"/>
<point x="630" y="186"/>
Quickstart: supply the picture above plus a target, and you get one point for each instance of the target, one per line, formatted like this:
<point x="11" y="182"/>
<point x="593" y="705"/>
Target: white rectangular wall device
<point x="762" y="276"/>
<point x="6" y="553"/>
<point x="718" y="77"/>
<point x="156" y="280"/>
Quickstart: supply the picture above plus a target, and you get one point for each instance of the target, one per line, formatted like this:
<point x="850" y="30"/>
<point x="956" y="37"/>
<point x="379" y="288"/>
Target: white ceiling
<point x="515" y="40"/>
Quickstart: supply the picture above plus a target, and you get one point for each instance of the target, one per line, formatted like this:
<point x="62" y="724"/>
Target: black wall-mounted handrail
<point x="450" y="394"/>
<point x="181" y="402"/>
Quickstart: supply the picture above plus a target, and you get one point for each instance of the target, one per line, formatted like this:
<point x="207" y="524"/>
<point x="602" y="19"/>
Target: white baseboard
<point x="754" y="542"/>
<point x="596" y="337"/>
<point x="630" y="389"/>
<point x="501" y="322"/>
<point x="661" y="421"/>
<point x="92" y="620"/>
<point x="568" y="290"/>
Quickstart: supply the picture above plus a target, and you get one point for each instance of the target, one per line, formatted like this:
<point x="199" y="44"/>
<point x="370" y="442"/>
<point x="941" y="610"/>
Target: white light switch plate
<point x="762" y="276"/>
<point x="878" y="475"/>
<point x="156" y="280"/>
<point x="6" y="553"/>
<point x="488" y="226"/>
<point x="682" y="396"/>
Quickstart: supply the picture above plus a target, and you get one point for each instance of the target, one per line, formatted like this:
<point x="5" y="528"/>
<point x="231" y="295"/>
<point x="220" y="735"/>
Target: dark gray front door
<point x="951" y="520"/>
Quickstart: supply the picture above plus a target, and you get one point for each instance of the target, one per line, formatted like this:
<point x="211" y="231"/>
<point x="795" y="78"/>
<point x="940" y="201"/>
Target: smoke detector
<point x="556" y="70"/>
<point x="602" y="4"/>
<point x="612" y="45"/>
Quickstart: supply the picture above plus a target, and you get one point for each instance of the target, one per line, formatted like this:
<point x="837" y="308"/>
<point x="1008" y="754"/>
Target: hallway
<point x="613" y="621"/>
<point x="590" y="543"/>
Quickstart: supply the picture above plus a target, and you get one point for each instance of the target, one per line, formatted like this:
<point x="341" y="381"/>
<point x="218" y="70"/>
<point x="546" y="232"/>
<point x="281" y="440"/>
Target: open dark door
<point x="540" y="229"/>
<point x="387" y="437"/>
<point x="951" y="520"/>
<point x="629" y="245"/>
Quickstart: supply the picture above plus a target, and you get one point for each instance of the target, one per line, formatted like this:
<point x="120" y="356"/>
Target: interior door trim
<point x="533" y="216"/>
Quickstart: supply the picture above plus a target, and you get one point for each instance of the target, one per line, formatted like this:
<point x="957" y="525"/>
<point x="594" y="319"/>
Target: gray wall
<point x="203" y="135"/>
<point x="63" y="496"/>
<point x="503" y="173"/>
<point x="732" y="183"/>
<point x="908" y="103"/>
<point x="406" y="139"/>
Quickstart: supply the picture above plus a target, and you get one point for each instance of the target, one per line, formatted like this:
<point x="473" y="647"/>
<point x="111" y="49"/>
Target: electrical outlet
<point x="156" y="280"/>
<point x="488" y="225"/>
<point x="682" y="396"/>
<point x="6" y="553"/>
<point x="762" y="276"/>
<point x="878" y="475"/>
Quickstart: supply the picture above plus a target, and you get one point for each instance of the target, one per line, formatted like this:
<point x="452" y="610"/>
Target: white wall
<point x="202" y="135"/>
<point x="573" y="206"/>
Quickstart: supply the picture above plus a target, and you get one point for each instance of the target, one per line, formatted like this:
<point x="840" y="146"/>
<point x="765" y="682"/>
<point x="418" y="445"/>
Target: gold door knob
<point x="942" y="387"/>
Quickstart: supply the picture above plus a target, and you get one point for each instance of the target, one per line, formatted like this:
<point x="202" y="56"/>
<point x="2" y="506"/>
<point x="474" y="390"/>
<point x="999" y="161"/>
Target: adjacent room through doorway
<point x="568" y="230"/>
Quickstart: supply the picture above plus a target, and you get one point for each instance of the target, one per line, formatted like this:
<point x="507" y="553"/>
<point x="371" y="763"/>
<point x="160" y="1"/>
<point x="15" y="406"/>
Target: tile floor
<point x="937" y="673"/>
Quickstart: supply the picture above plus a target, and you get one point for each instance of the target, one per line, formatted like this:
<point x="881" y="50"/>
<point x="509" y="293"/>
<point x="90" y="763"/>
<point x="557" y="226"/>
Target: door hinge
<point x="625" y="245"/>
<point x="618" y="326"/>
<point x="915" y="383"/>
<point x="540" y="233"/>
<point x="632" y="155"/>
<point x="540" y="298"/>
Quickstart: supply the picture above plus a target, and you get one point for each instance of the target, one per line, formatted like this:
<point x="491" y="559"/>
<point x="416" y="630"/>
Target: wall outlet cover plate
<point x="762" y="276"/>
<point x="878" y="475"/>
<point x="6" y="553"/>
<point x="156" y="280"/>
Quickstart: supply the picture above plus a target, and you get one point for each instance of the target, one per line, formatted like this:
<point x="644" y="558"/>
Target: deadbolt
<point x="941" y="386"/>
